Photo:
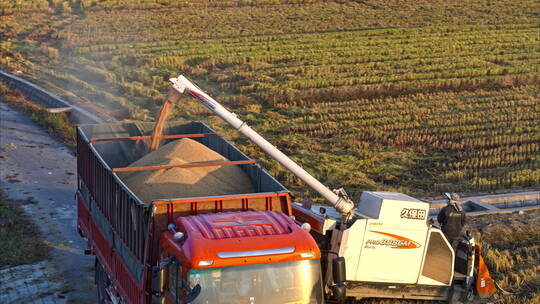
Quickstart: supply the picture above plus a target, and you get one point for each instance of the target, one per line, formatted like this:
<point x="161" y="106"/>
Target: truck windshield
<point x="296" y="282"/>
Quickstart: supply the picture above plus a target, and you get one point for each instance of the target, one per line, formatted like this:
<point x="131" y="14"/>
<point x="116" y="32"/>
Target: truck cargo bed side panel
<point x="110" y="257"/>
<point x="120" y="216"/>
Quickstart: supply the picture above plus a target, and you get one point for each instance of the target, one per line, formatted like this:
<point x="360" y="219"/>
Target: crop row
<point x="168" y="23"/>
<point x="368" y="59"/>
<point x="478" y="139"/>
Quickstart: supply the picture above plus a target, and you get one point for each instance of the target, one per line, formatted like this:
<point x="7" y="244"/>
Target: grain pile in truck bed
<point x="185" y="182"/>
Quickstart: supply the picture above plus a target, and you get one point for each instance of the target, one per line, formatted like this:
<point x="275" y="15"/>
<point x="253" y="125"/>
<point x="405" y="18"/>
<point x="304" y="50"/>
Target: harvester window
<point x="175" y="281"/>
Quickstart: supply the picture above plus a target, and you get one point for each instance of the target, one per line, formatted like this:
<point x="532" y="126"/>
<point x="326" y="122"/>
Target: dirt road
<point x="37" y="169"/>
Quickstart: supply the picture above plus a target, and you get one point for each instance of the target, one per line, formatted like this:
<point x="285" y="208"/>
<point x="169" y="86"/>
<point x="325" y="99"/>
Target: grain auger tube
<point x="337" y="198"/>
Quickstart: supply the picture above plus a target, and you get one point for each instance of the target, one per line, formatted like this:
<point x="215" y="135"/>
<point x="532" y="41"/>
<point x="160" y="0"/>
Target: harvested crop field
<point x="513" y="254"/>
<point x="185" y="182"/>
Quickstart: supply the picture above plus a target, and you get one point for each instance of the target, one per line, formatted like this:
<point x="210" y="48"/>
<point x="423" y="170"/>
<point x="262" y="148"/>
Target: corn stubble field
<point x="414" y="96"/>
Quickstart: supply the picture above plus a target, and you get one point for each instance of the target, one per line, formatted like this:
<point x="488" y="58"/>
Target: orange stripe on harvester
<point x="406" y="242"/>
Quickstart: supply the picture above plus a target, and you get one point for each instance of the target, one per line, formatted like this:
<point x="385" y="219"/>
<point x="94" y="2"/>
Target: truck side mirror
<point x="338" y="270"/>
<point x="339" y="290"/>
<point x="159" y="275"/>
<point x="158" y="280"/>
<point x="339" y="293"/>
<point x="158" y="299"/>
<point x="193" y="294"/>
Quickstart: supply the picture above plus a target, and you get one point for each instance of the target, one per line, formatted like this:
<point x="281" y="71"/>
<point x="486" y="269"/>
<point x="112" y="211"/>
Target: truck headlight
<point x="206" y="263"/>
<point x="306" y="255"/>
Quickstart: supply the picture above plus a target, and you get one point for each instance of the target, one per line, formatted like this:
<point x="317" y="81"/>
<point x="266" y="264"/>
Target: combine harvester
<point x="387" y="242"/>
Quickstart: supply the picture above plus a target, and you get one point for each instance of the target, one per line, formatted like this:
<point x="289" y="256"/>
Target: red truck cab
<point x="242" y="257"/>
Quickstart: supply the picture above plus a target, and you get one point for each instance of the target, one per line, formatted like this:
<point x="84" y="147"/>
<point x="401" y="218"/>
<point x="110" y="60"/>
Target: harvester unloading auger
<point x="390" y="248"/>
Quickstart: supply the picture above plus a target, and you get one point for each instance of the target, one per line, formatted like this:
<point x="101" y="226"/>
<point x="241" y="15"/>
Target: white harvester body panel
<point x="389" y="245"/>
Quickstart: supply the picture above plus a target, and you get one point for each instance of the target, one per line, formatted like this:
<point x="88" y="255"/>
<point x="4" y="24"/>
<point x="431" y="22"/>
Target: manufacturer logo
<point x="395" y="242"/>
<point x="413" y="214"/>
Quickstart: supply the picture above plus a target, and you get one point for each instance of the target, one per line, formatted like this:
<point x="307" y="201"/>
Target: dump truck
<point x="385" y="246"/>
<point x="239" y="248"/>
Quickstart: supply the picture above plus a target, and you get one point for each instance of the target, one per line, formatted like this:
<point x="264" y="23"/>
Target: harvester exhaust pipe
<point x="337" y="198"/>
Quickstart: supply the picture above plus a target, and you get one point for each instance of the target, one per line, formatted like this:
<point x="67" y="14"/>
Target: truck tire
<point x="102" y="282"/>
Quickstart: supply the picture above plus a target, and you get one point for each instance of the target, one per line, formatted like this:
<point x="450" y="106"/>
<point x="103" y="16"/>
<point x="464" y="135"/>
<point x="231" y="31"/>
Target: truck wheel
<point x="102" y="282"/>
